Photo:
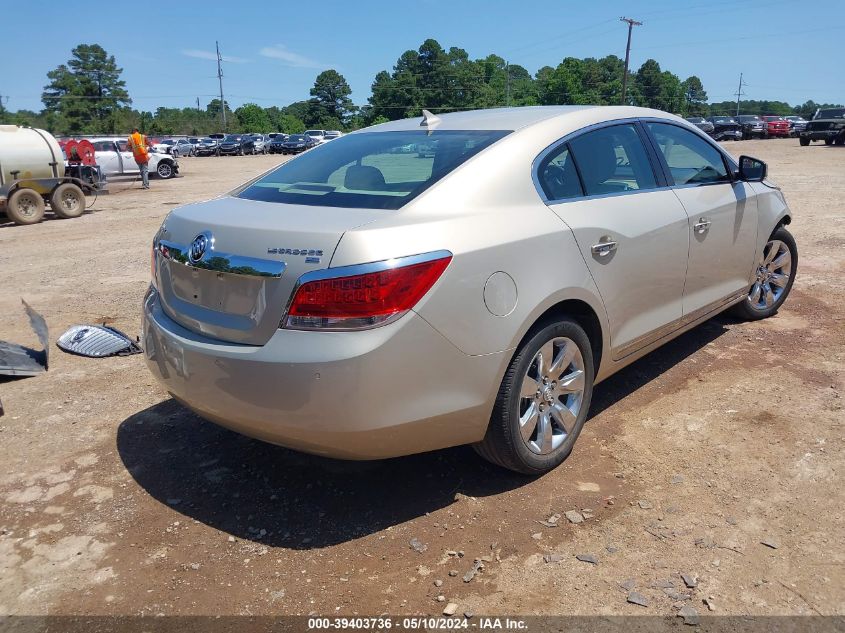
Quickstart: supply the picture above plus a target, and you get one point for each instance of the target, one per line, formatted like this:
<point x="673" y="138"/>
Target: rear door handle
<point x="701" y="226"/>
<point x="604" y="247"/>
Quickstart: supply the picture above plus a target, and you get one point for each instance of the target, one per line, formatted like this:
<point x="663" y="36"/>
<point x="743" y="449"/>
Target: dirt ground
<point x="116" y="500"/>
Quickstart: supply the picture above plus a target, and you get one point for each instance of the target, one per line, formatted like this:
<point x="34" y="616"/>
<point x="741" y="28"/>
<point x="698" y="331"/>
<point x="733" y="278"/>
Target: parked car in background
<point x="797" y="124"/>
<point x="115" y="159"/>
<point x="275" y="145"/>
<point x="777" y="126"/>
<point x="297" y="143"/>
<point x="231" y="145"/>
<point x="175" y="147"/>
<point x="752" y="126"/>
<point x="402" y="283"/>
<point x="701" y="123"/>
<point x="828" y="125"/>
<point x="255" y="144"/>
<point x="725" y="128"/>
<point x="330" y="135"/>
<point x="206" y="147"/>
<point x="318" y="135"/>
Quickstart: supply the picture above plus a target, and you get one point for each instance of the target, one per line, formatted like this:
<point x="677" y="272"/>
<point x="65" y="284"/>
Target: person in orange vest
<point x="138" y="146"/>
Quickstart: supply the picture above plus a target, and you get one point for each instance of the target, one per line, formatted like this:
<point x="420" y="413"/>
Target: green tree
<point x="330" y="97"/>
<point x="87" y="91"/>
<point x="695" y="97"/>
<point x="253" y="118"/>
<point x="289" y="124"/>
<point x="654" y="88"/>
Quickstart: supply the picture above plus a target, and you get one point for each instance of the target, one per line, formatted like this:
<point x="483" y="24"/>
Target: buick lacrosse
<point x="458" y="279"/>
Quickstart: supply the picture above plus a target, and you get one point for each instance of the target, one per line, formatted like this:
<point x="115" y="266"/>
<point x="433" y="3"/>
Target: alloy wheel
<point x="551" y="395"/>
<point x="772" y="276"/>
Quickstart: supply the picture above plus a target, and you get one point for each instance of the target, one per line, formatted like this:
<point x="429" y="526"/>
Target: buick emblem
<point x="202" y="243"/>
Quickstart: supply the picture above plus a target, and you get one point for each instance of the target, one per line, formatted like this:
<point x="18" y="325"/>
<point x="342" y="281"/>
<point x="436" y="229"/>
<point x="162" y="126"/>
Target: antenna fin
<point x="429" y="120"/>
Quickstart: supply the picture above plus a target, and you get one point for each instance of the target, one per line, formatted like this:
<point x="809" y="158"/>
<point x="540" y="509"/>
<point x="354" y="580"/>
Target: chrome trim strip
<point x="700" y="314"/>
<point x="359" y="269"/>
<point x="220" y="262"/>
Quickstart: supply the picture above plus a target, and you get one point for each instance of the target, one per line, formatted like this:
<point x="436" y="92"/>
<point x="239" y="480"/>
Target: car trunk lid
<point x="254" y="252"/>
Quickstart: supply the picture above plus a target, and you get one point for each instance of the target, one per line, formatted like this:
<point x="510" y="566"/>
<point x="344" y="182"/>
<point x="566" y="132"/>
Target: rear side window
<point x="558" y="176"/>
<point x="690" y="158"/>
<point x="373" y="170"/>
<point x="612" y="160"/>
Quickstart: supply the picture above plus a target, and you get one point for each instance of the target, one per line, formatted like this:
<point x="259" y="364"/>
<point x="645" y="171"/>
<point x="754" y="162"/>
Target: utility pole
<point x="739" y="94"/>
<point x="198" y="104"/>
<point x="507" y="84"/>
<point x="631" y="24"/>
<point x="220" y="79"/>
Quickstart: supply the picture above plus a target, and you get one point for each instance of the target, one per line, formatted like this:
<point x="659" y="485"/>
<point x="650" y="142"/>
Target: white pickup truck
<point x="115" y="159"/>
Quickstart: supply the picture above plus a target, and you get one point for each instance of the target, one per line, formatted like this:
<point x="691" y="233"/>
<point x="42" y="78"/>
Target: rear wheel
<point x="775" y="275"/>
<point x="828" y="141"/>
<point x="25" y="206"/>
<point x="67" y="201"/>
<point x="804" y="141"/>
<point x="543" y="400"/>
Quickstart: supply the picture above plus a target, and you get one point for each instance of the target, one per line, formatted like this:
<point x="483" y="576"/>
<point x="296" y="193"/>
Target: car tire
<point x="803" y="141"/>
<point x="779" y="262"/>
<point x="175" y="153"/>
<point x="25" y="206"/>
<point x="532" y="433"/>
<point x="165" y="170"/>
<point x="828" y="141"/>
<point x="67" y="201"/>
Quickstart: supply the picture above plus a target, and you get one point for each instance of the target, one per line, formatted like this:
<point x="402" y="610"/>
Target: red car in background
<point x="778" y="126"/>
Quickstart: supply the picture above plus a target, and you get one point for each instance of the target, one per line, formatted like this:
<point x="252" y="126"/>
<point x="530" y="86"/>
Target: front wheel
<point x="775" y="275"/>
<point x="543" y="401"/>
<point x="803" y="141"/>
<point x="828" y="141"/>
<point x="164" y="170"/>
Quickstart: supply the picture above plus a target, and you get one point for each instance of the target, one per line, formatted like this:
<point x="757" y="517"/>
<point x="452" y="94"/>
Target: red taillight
<point x="362" y="301"/>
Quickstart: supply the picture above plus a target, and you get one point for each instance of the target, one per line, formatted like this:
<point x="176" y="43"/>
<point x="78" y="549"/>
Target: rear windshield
<point x="372" y="170"/>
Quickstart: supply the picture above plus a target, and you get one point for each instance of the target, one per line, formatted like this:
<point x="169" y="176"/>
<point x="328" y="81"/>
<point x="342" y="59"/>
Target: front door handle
<point x="701" y="226"/>
<point x="604" y="247"/>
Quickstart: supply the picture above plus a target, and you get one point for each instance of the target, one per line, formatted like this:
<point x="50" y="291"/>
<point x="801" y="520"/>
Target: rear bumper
<point x="386" y="392"/>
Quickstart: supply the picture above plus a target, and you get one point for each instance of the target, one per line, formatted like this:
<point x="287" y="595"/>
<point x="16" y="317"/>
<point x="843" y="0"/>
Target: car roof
<point x="521" y="117"/>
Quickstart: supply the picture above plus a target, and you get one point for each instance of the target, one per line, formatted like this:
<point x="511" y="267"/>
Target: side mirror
<point x="752" y="169"/>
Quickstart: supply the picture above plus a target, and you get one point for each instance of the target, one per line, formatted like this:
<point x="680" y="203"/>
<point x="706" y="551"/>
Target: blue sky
<point x="786" y="50"/>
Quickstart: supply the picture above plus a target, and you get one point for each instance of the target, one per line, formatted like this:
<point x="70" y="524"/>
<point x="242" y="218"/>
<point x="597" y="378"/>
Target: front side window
<point x="690" y="158"/>
<point x="367" y="170"/>
<point x="612" y="160"/>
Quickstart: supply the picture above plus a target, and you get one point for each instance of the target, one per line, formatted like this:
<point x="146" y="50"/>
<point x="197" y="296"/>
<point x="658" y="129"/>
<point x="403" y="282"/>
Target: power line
<point x="631" y="24"/>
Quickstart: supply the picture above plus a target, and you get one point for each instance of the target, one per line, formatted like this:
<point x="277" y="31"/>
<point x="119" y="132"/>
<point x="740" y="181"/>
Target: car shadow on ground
<point x="239" y="485"/>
